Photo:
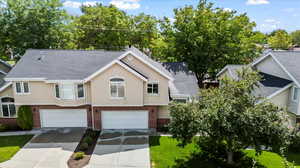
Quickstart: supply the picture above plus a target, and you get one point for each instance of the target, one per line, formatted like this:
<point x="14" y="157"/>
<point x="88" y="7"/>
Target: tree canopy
<point x="280" y="40"/>
<point x="30" y="24"/>
<point x="208" y="38"/>
<point x="232" y="117"/>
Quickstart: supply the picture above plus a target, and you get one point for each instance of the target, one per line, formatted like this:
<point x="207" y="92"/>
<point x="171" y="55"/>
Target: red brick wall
<point x="162" y="122"/>
<point x="36" y="113"/>
<point x="153" y="114"/>
<point x="8" y="121"/>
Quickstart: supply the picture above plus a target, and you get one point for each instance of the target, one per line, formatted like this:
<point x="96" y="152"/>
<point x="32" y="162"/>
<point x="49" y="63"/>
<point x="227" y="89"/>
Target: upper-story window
<point x="295" y="94"/>
<point x="152" y="88"/>
<point x="80" y="91"/>
<point x="22" y="87"/>
<point x="65" y="91"/>
<point x="117" y="88"/>
<point x="8" y="108"/>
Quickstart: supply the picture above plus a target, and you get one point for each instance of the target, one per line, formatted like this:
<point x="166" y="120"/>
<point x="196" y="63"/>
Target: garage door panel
<point x="124" y="119"/>
<point x="63" y="117"/>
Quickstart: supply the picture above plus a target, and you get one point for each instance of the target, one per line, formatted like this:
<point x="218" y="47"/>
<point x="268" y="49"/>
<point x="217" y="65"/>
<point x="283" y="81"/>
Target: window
<point x="295" y="95"/>
<point x="22" y="87"/>
<point x="8" y="107"/>
<point x="80" y="91"/>
<point x="117" y="88"/>
<point x="152" y="88"/>
<point x="57" y="90"/>
<point x="65" y="91"/>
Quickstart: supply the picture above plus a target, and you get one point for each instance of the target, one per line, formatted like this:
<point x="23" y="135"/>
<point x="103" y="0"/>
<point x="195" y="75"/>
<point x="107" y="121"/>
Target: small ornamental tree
<point x="231" y="117"/>
<point x="25" y="118"/>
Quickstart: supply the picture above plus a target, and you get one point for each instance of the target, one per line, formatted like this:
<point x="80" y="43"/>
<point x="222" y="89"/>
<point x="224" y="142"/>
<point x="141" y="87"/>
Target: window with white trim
<point x="80" y="90"/>
<point x="8" y="107"/>
<point x="65" y="91"/>
<point x="152" y="88"/>
<point x="22" y="87"/>
<point x="117" y="88"/>
<point x="295" y="95"/>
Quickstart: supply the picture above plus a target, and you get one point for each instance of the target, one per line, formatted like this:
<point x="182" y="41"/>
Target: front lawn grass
<point x="10" y="145"/>
<point x="166" y="154"/>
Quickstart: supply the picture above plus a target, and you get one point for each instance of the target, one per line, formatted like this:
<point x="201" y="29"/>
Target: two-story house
<point x="280" y="82"/>
<point x="98" y="89"/>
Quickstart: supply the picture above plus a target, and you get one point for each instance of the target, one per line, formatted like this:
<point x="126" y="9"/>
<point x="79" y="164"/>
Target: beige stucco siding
<point x="163" y="112"/>
<point x="42" y="93"/>
<point x="281" y="99"/>
<point x="153" y="76"/>
<point x="8" y="92"/>
<point x="268" y="65"/>
<point x="100" y="88"/>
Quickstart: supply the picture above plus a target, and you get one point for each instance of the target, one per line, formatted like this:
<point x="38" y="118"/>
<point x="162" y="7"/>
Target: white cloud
<point x="126" y="4"/>
<point x="74" y="4"/>
<point x="257" y="2"/>
<point x="269" y="25"/>
<point x="228" y="9"/>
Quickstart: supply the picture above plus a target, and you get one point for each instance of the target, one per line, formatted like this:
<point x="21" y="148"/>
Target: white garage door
<point x="63" y="117"/>
<point x="124" y="119"/>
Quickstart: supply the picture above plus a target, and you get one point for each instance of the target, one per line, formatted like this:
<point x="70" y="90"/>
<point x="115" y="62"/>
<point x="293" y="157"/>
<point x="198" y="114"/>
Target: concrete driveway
<point x="121" y="149"/>
<point x="51" y="149"/>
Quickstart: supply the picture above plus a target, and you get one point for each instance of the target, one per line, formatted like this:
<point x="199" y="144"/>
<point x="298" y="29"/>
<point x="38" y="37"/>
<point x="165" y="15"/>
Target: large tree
<point x="30" y="24"/>
<point x="280" y="40"/>
<point x="231" y="117"/>
<point x="208" y="38"/>
<point x="296" y="37"/>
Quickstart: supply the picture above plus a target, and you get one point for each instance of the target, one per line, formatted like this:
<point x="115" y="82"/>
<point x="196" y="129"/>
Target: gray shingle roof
<point x="270" y="84"/>
<point x="185" y="81"/>
<point x="290" y="60"/>
<point x="61" y="64"/>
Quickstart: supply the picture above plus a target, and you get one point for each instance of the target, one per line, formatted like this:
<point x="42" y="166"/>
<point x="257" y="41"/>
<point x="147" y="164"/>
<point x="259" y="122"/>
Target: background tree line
<point x="205" y="37"/>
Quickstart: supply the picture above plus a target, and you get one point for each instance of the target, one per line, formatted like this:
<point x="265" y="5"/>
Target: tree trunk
<point x="230" y="158"/>
<point x="200" y="79"/>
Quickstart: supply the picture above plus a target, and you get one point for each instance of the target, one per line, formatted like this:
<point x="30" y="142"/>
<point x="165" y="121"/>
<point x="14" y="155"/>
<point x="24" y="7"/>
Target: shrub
<point x="295" y="143"/>
<point x="84" y="146"/>
<point x="88" y="140"/>
<point x="3" y="127"/>
<point x="25" y="118"/>
<point x="78" y="155"/>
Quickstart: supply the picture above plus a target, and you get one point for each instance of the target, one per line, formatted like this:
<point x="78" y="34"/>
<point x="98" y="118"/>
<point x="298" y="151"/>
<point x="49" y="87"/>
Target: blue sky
<point x="268" y="14"/>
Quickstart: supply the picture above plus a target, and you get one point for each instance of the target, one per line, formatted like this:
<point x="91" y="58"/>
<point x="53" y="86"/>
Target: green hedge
<point x="25" y="118"/>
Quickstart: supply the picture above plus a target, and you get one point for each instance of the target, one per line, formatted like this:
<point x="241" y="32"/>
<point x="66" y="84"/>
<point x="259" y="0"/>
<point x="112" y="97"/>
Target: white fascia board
<point x="64" y="81"/>
<point x="147" y="63"/>
<point x="109" y="65"/>
<point x="261" y="59"/>
<point x="24" y="79"/>
<point x="222" y="71"/>
<point x="132" y="71"/>
<point x="286" y="71"/>
<point x="280" y="91"/>
<point x="5" y="86"/>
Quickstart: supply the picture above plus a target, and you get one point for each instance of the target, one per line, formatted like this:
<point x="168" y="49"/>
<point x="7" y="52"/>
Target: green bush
<point x="25" y="118"/>
<point x="295" y="143"/>
<point x="3" y="127"/>
<point x="88" y="140"/>
<point x="78" y="155"/>
<point x="84" y="146"/>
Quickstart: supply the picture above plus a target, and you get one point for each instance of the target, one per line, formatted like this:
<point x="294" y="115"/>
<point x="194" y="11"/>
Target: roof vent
<point x="41" y="57"/>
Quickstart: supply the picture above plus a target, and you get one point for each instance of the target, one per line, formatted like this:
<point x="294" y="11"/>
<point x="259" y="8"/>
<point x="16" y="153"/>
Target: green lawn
<point x="10" y="145"/>
<point x="166" y="154"/>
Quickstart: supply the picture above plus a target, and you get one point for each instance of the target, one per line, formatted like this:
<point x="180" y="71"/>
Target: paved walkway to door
<point x="51" y="149"/>
<point x="121" y="149"/>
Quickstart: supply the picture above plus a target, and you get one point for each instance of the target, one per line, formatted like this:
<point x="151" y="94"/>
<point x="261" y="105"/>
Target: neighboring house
<point x="280" y="84"/>
<point x="98" y="89"/>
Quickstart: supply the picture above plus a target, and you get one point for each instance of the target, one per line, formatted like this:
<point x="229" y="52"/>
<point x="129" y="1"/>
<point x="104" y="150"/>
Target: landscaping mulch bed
<point x="72" y="162"/>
